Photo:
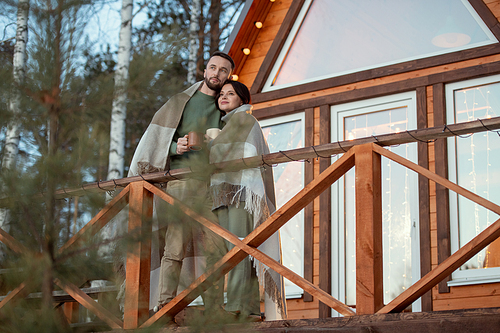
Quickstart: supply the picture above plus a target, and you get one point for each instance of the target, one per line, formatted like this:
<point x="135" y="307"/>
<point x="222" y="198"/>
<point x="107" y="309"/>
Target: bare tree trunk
<point x="12" y="135"/>
<point x="193" y="41"/>
<point x="214" y="16"/>
<point x="200" y="60"/>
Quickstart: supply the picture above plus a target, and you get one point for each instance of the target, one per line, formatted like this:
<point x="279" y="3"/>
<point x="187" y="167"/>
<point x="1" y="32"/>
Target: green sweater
<point x="199" y="114"/>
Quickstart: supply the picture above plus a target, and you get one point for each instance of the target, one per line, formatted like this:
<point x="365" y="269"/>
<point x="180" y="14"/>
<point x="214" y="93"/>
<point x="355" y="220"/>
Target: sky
<point x="103" y="27"/>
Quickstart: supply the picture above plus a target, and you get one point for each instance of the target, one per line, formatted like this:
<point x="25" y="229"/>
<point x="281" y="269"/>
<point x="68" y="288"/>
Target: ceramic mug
<point x="195" y="140"/>
<point x="213" y="132"/>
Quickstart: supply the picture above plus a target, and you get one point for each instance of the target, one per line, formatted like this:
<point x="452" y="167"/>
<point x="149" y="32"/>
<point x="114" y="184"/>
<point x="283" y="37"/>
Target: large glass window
<point x="285" y="133"/>
<point x="474" y="164"/>
<point x="368" y="118"/>
<point x="332" y="38"/>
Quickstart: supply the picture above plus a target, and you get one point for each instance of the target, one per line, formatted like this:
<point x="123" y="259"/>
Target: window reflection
<point x="478" y="169"/>
<point x="288" y="181"/>
<point x="339" y="37"/>
<point x="397" y="187"/>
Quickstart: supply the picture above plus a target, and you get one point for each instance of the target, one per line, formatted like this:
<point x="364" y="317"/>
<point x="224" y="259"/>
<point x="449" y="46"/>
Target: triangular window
<point x="332" y="38"/>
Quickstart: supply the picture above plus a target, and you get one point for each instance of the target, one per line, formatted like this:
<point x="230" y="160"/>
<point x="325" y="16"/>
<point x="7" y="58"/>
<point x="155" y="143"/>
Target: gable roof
<point x="278" y="18"/>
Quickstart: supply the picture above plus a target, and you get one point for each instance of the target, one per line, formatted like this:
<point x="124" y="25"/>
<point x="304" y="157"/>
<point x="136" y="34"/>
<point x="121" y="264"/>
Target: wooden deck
<point x="457" y="321"/>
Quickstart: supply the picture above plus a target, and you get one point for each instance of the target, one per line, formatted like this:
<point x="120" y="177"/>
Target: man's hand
<point x="182" y="145"/>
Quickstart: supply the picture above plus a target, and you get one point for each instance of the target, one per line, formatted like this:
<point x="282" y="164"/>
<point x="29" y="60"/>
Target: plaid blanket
<point x="151" y="154"/>
<point x="242" y="137"/>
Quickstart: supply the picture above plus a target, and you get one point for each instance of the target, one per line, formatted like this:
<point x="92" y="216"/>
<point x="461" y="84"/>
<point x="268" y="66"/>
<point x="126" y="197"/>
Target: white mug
<point x="213" y="132"/>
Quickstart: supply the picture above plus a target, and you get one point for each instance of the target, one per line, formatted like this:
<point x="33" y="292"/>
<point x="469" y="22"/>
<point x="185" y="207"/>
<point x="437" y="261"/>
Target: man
<point x="164" y="146"/>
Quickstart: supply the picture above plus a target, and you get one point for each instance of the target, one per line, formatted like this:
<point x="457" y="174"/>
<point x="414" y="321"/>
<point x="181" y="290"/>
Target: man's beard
<point x="214" y="86"/>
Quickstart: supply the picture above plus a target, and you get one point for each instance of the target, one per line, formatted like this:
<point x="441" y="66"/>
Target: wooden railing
<point x="362" y="153"/>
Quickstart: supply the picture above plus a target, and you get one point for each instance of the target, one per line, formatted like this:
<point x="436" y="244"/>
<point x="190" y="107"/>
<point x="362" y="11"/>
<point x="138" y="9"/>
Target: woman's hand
<point x="182" y="145"/>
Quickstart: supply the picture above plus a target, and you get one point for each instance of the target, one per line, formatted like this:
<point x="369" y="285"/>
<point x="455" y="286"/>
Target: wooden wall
<point x="428" y="79"/>
<point x="265" y="38"/>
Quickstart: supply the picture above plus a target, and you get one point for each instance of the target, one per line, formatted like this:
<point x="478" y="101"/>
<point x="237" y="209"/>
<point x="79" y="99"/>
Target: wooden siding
<point x="427" y="77"/>
<point x="265" y="38"/>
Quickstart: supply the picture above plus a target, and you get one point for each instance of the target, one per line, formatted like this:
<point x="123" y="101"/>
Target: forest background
<point x="61" y="93"/>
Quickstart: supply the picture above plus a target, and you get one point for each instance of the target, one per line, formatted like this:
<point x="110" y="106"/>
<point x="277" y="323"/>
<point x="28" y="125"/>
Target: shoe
<point x="253" y="318"/>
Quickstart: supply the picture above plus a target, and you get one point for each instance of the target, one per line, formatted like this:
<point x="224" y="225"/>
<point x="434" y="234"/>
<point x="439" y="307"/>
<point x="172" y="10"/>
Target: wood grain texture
<point x="138" y="256"/>
<point x="369" y="258"/>
<point x="90" y="304"/>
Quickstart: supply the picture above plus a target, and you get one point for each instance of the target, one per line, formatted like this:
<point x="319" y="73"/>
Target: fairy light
<point x="281" y="137"/>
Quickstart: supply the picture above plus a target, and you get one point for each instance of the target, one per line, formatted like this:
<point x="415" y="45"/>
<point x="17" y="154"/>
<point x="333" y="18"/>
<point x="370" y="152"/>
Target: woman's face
<point x="228" y="99"/>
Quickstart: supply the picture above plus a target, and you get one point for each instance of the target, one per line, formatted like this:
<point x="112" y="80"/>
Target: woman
<point x="243" y="200"/>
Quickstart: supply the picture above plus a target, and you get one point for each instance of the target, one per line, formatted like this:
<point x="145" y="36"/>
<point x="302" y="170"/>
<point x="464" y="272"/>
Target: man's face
<point x="217" y="72"/>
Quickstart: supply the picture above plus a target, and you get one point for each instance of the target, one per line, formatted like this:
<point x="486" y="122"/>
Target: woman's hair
<point x="240" y="89"/>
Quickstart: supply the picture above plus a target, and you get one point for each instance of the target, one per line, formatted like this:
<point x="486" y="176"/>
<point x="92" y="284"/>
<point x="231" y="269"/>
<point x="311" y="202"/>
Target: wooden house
<point x="330" y="71"/>
<point x="413" y="228"/>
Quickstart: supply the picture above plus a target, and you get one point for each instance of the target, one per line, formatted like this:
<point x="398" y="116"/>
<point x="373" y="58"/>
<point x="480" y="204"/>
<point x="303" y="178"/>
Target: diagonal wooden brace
<point x="258" y="236"/>
<point x="90" y="304"/>
<point x="458" y="258"/>
<point x="20" y="292"/>
<point x="438" y="179"/>
<point x="100" y="220"/>
<point x="12" y="243"/>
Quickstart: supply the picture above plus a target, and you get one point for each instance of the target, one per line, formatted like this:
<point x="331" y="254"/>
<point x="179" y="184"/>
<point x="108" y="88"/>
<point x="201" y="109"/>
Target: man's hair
<point x="225" y="56"/>
<point x="240" y="89"/>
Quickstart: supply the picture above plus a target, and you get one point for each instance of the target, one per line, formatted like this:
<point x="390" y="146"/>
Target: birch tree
<point x="12" y="135"/>
<point x="119" y="108"/>
<point x="118" y="117"/>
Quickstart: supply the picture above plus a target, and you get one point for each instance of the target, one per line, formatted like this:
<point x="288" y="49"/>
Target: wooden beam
<point x="265" y="259"/>
<point x="71" y="311"/>
<point x="486" y="16"/>
<point x="90" y="304"/>
<point x="273" y="108"/>
<point x="19" y="292"/>
<point x="369" y="263"/>
<point x="309" y="210"/>
<point x="439" y="180"/>
<point x="409" y="66"/>
<point x="99" y="221"/>
<point x="138" y="256"/>
<point x="423" y="198"/>
<point x="325" y="218"/>
<point x="456" y="321"/>
<point x="427" y="134"/>
<point x="442" y="195"/>
<point x="12" y="243"/>
<point x="444" y="269"/>
<point x="455" y="260"/>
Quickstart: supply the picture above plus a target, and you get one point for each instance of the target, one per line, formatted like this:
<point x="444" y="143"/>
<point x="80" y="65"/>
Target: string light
<point x="246" y="50"/>
<point x="258" y="24"/>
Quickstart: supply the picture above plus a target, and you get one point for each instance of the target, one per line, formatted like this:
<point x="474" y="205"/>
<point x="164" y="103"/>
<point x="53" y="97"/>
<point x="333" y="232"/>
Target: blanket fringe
<point x="227" y="194"/>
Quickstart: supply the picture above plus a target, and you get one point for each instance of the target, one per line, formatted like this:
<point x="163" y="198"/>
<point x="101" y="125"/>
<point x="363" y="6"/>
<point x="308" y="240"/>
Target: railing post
<point x="138" y="256"/>
<point x="369" y="266"/>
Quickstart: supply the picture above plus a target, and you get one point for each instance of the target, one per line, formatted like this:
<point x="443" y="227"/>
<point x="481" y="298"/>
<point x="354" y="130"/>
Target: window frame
<point x="265" y="84"/>
<point x="292" y="291"/>
<point x="471" y="276"/>
<point x="338" y="113"/>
